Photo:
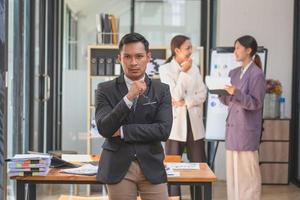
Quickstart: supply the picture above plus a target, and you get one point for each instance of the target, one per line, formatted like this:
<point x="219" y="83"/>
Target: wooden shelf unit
<point x="274" y="151"/>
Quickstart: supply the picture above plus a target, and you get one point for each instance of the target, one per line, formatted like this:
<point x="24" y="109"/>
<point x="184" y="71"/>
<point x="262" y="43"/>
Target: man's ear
<point x="119" y="58"/>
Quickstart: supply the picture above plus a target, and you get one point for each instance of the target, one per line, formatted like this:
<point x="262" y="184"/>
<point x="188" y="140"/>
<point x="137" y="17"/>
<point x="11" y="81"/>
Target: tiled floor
<point x="269" y="192"/>
<point x="274" y="192"/>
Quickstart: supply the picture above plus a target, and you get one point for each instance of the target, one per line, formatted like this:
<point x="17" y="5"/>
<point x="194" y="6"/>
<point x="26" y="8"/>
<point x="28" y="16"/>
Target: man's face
<point x="134" y="59"/>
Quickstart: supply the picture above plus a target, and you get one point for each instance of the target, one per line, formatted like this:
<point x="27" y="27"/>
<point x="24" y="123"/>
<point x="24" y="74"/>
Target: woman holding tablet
<point x="244" y="122"/>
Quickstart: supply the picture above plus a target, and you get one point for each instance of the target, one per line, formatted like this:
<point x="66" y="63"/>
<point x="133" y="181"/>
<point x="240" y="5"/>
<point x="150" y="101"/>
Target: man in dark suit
<point x="134" y="114"/>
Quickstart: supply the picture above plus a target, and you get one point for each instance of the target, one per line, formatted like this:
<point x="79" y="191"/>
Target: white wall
<point x="159" y="22"/>
<point x="271" y="23"/>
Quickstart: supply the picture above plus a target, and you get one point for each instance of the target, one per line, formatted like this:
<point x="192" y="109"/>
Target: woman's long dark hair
<point x="248" y="41"/>
<point x="176" y="42"/>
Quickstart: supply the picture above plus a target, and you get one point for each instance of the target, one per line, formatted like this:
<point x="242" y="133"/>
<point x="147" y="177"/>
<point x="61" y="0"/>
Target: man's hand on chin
<point x="116" y="134"/>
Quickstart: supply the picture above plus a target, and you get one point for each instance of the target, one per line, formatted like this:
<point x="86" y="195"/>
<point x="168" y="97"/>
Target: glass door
<point x="45" y="75"/>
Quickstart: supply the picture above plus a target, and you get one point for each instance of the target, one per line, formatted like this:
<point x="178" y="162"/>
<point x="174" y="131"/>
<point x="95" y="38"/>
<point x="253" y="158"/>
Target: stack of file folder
<point x="29" y="165"/>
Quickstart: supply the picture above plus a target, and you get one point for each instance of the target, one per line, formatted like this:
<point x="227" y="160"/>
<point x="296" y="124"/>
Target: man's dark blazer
<point x="143" y="127"/>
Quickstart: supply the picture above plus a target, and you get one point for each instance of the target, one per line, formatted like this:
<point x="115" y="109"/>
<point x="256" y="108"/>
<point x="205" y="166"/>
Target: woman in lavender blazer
<point x="244" y="121"/>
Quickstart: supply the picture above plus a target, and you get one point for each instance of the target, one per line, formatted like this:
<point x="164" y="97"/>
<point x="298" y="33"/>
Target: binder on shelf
<point x="101" y="66"/>
<point x="114" y="29"/>
<point x="99" y="28"/>
<point x="94" y="67"/>
<point x="117" y="68"/>
<point x="107" y="30"/>
<point x="109" y="66"/>
<point x="102" y="20"/>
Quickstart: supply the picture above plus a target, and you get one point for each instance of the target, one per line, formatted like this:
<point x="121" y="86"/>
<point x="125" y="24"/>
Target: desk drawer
<point x="274" y="173"/>
<point x="276" y="130"/>
<point x="274" y="151"/>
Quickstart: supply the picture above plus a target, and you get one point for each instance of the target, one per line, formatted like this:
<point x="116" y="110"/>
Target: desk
<point x="203" y="177"/>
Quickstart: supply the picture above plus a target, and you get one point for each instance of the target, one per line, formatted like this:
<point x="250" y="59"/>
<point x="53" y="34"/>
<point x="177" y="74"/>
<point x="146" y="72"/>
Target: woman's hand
<point x="186" y="65"/>
<point x="231" y="89"/>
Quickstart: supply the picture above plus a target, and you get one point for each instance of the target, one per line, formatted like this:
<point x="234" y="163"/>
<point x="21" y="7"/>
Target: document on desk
<point x="171" y="173"/>
<point x="76" y="157"/>
<point x="216" y="85"/>
<point x="87" y="169"/>
<point x="174" y="166"/>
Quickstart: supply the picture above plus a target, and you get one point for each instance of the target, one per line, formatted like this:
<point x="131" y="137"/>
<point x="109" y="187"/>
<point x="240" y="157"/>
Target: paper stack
<point x="29" y="165"/>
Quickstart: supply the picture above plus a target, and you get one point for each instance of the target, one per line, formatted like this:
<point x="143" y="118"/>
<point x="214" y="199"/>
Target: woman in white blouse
<point x="188" y="94"/>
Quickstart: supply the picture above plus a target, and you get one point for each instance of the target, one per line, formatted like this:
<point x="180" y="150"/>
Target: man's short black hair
<point x="132" y="38"/>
